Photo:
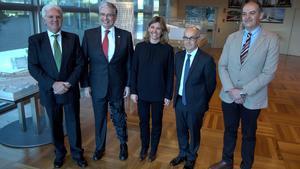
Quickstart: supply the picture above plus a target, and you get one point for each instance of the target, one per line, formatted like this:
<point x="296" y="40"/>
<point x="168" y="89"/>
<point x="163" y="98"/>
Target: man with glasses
<point x="246" y="67"/>
<point x="108" y="51"/>
<point x="195" y="73"/>
<point x="55" y="61"/>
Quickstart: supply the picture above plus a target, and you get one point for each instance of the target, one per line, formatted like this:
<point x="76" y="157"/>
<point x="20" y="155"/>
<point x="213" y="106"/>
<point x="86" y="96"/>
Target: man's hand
<point x="166" y="102"/>
<point x="134" y="98"/>
<point x="60" y="87"/>
<point x="235" y="95"/>
<point x="87" y="92"/>
<point x="126" y="92"/>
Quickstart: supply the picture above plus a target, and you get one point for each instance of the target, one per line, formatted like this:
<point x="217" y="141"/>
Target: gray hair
<point x="51" y="6"/>
<point x="108" y="4"/>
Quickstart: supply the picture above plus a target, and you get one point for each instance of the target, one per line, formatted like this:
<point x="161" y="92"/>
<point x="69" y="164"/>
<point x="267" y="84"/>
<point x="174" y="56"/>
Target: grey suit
<point x="256" y="72"/>
<point x="252" y="77"/>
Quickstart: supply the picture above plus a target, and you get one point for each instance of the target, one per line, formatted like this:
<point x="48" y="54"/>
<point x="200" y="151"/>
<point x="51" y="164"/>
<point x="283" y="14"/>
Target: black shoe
<point x="177" y="160"/>
<point x="152" y="157"/>
<point x="58" y="162"/>
<point x="123" y="152"/>
<point x="81" y="162"/>
<point x="189" y="164"/>
<point x="98" y="155"/>
<point x="143" y="153"/>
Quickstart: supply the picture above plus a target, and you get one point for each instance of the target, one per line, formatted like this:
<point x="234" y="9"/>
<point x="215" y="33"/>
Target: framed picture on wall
<point x="264" y="3"/>
<point x="271" y="15"/>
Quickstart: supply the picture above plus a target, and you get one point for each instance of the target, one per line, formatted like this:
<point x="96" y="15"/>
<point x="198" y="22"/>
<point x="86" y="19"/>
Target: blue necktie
<point x="185" y="75"/>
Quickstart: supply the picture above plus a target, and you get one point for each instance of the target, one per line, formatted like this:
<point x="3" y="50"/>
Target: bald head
<point x="190" y="38"/>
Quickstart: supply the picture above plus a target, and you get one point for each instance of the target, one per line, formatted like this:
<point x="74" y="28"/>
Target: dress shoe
<point x="58" y="162"/>
<point x="143" y="153"/>
<point x="81" y="162"/>
<point x="177" y="160"/>
<point x="189" y="164"/>
<point x="221" y="165"/>
<point x="123" y="152"/>
<point x="98" y="155"/>
<point x="152" y="157"/>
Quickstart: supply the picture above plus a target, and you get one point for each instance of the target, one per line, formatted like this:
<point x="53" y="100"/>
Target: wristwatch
<point x="242" y="94"/>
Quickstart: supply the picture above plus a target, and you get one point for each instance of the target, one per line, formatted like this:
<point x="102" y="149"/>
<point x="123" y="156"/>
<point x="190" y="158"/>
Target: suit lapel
<point x="46" y="46"/>
<point x="117" y="41"/>
<point x="65" y="48"/>
<point x="194" y="63"/>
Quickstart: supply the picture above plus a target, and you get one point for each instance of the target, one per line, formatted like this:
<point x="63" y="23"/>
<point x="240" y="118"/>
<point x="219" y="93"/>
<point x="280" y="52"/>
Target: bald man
<point x="195" y="73"/>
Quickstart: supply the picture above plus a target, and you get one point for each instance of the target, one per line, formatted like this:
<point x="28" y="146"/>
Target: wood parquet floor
<point x="278" y="134"/>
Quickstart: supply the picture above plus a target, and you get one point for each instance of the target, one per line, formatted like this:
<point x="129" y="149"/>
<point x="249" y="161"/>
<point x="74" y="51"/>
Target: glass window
<point x="18" y="1"/>
<point x="15" y="28"/>
<point x="77" y="3"/>
<point x="78" y="22"/>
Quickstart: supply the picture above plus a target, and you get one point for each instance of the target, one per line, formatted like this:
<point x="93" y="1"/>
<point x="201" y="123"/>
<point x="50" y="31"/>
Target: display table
<point x="25" y="132"/>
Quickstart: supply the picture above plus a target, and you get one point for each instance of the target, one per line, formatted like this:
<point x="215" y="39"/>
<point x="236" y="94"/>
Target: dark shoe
<point x="81" y="162"/>
<point x="152" y="157"/>
<point x="189" y="164"/>
<point x="221" y="165"/>
<point x="58" y="162"/>
<point x="177" y="160"/>
<point x="98" y="155"/>
<point x="143" y="153"/>
<point x="123" y="152"/>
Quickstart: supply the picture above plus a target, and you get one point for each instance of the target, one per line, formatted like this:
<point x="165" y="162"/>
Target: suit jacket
<point x="256" y="72"/>
<point x="106" y="78"/>
<point x="201" y="80"/>
<point x="152" y="71"/>
<point x="42" y="67"/>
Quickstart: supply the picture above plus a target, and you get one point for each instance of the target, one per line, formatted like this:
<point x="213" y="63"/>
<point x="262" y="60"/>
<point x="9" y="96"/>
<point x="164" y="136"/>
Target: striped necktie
<point x="245" y="48"/>
<point x="57" y="52"/>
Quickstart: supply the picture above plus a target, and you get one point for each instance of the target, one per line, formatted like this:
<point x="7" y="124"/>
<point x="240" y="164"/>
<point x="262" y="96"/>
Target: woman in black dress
<point x="152" y="83"/>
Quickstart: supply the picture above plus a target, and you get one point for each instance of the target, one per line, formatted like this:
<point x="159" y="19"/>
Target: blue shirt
<point x="254" y="35"/>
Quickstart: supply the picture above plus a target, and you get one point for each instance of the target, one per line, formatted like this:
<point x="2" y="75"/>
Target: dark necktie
<point x="245" y="48"/>
<point x="57" y="52"/>
<point x="105" y="44"/>
<point x="185" y="75"/>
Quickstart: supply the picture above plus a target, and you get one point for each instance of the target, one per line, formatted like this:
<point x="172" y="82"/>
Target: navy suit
<point x="42" y="67"/>
<point x="107" y="81"/>
<point x="200" y="85"/>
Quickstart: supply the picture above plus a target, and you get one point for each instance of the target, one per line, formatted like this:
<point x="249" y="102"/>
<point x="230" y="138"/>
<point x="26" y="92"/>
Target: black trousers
<point x="117" y="115"/>
<point x="156" y="115"/>
<point x="233" y="113"/>
<point x="72" y="119"/>
<point x="188" y="125"/>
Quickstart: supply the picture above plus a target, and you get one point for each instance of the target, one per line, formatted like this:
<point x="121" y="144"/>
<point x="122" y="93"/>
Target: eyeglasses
<point x="109" y="15"/>
<point x="190" y="38"/>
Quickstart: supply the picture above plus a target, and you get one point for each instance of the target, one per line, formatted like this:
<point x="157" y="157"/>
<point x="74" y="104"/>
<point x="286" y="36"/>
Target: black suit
<point x="107" y="80"/>
<point x="200" y="85"/>
<point x="42" y="67"/>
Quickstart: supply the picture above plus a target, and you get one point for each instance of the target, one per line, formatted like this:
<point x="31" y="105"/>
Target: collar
<point x="51" y="33"/>
<point x="193" y="53"/>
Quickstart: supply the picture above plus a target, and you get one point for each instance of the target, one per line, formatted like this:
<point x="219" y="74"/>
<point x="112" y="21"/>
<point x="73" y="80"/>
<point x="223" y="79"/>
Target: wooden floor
<point x="278" y="135"/>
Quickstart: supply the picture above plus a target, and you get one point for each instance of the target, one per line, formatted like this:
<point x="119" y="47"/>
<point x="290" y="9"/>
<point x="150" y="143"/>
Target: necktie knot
<point x="249" y="35"/>
<point x="55" y="36"/>
<point x="189" y="56"/>
<point x="107" y="31"/>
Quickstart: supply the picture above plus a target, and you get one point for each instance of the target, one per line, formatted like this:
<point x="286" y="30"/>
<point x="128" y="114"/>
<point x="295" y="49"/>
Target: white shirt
<point x="111" y="41"/>
<point x="51" y="38"/>
<point x="193" y="53"/>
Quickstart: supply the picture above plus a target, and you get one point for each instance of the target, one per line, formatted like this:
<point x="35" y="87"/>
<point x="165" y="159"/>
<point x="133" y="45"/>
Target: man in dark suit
<point x="195" y="73"/>
<point x="55" y="61"/>
<point x="108" y="51"/>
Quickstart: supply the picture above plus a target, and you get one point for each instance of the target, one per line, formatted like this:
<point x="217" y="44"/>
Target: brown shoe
<point x="221" y="165"/>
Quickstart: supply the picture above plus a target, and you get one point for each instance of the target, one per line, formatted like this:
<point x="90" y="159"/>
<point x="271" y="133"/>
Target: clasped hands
<point x="61" y="87"/>
<point x="235" y="94"/>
